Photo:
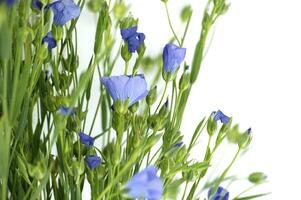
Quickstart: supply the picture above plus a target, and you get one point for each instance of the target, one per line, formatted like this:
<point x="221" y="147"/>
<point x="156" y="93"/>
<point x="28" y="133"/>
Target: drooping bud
<point x="257" y="177"/>
<point x="186" y="13"/>
<point x="211" y="124"/>
<point x="184" y="83"/>
<point x="152" y="96"/>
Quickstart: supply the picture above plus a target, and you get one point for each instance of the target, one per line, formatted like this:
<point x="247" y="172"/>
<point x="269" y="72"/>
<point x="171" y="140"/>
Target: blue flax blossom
<point x="86" y="139"/>
<point x="49" y="40"/>
<point x="221" y="116"/>
<point x="93" y="161"/>
<point x="145" y="184"/>
<point x="64" y="110"/>
<point x="132" y="38"/>
<point x="125" y="87"/>
<point x="220" y="194"/>
<point x="64" y="11"/>
<point x="173" y="56"/>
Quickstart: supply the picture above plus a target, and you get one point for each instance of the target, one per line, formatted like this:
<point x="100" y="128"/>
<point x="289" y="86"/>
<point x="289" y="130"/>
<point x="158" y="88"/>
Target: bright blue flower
<point x="173" y="56"/>
<point x="86" y="139"/>
<point x="64" y="11"/>
<point x="249" y="130"/>
<point x="93" y="161"/>
<point x="220" y="194"/>
<point x="64" y="111"/>
<point x="145" y="184"/>
<point x="37" y="4"/>
<point x="221" y="116"/>
<point x="124" y="87"/>
<point x="49" y="40"/>
<point x="132" y="38"/>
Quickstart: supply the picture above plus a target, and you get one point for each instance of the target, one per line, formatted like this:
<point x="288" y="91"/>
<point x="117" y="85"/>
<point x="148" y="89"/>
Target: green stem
<point x="170" y="24"/>
<point x="95" y="115"/>
<point x="165" y="88"/>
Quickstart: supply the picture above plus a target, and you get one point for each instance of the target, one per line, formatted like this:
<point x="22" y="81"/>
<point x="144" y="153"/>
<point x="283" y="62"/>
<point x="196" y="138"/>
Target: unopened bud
<point x="152" y="96"/>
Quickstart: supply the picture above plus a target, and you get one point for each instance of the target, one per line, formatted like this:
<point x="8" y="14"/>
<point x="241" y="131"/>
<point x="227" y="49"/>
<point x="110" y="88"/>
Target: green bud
<point x="119" y="10"/>
<point x="153" y="139"/>
<point x="57" y="32"/>
<point x="257" y="177"/>
<point x="49" y="102"/>
<point x="95" y="5"/>
<point x="224" y="130"/>
<point x="43" y="52"/>
<point x="139" y="124"/>
<point x="78" y="167"/>
<point x="211" y="125"/>
<point x="152" y="96"/>
<point x="186" y="13"/>
<point x="133" y="108"/>
<point x="38" y="170"/>
<point x="184" y="83"/>
<point x="79" y="149"/>
<point x="125" y="54"/>
<point x="141" y="50"/>
<point x="164" y="1"/>
<point x="234" y="134"/>
<point x="128" y="22"/>
<point x="244" y="140"/>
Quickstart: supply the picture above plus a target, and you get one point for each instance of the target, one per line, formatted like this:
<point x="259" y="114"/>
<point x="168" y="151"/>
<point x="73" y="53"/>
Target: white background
<point x="251" y="72"/>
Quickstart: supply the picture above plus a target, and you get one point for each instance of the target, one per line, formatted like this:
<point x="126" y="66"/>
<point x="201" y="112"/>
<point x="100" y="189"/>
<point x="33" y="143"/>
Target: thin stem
<point x="184" y="193"/>
<point x="126" y="68"/>
<point x="165" y="88"/>
<point x="95" y="115"/>
<point x="170" y="24"/>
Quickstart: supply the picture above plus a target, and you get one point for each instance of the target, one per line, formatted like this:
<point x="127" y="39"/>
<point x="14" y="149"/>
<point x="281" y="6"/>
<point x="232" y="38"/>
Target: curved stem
<point x="165" y="88"/>
<point x="170" y="24"/>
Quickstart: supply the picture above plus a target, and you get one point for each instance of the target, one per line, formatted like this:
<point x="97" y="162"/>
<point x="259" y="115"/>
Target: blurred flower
<point x="220" y="116"/>
<point x="132" y="38"/>
<point x="179" y="144"/>
<point x="220" y="194"/>
<point x="124" y="87"/>
<point x="93" y="161"/>
<point x="49" y="40"/>
<point x="37" y="4"/>
<point x="249" y="130"/>
<point x="8" y="2"/>
<point x="64" y="11"/>
<point x="86" y="139"/>
<point x="64" y="111"/>
<point x="145" y="184"/>
<point x="173" y="56"/>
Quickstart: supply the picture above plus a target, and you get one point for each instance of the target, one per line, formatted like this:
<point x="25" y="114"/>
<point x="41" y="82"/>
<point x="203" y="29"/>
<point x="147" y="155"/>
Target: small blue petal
<point x="179" y="144"/>
<point x="145" y="184"/>
<point x="64" y="110"/>
<point x="173" y="56"/>
<point x="93" y="161"/>
<point x="49" y="40"/>
<point x="222" y="117"/>
<point x="124" y="87"/>
<point x="86" y="139"/>
<point x="220" y="194"/>
<point x="64" y="11"/>
<point x="132" y="38"/>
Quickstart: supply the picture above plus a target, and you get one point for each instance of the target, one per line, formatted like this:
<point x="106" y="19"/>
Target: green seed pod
<point x="244" y="140"/>
<point x="119" y="10"/>
<point x="95" y="5"/>
<point x="186" y="13"/>
<point x="152" y="96"/>
<point x="133" y="108"/>
<point x="79" y="149"/>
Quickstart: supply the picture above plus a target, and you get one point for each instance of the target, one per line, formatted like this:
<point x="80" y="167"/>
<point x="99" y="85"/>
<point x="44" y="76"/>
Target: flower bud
<point x="37" y="171"/>
<point x="43" y="52"/>
<point x="257" y="177"/>
<point x="95" y="5"/>
<point x="244" y="140"/>
<point x="57" y="32"/>
<point x="186" y="13"/>
<point x="78" y="167"/>
<point x="184" y="83"/>
<point x="133" y="108"/>
<point x="119" y="10"/>
<point x="79" y="149"/>
<point x="211" y="125"/>
<point x="125" y="54"/>
<point x="152" y="96"/>
<point x="128" y="22"/>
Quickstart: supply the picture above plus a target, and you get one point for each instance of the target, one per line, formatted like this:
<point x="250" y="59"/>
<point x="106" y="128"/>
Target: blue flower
<point x="86" y="139"/>
<point x="132" y="38"/>
<point x="249" y="130"/>
<point x="37" y="4"/>
<point x="64" y="111"/>
<point x="124" y="87"/>
<point x="64" y="11"/>
<point x="49" y="40"/>
<point x="145" y="184"/>
<point x="173" y="56"/>
<point x="221" y="116"/>
<point x="93" y="161"/>
<point x="220" y="194"/>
